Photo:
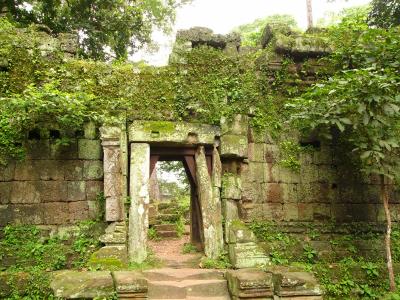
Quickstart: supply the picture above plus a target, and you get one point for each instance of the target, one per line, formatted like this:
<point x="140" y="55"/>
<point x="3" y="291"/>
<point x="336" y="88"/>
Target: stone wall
<point x="55" y="184"/>
<point x="325" y="189"/>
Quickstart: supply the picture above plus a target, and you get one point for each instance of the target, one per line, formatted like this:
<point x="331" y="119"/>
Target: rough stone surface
<point x="231" y="187"/>
<point x="130" y="282"/>
<point x="77" y="285"/>
<point x="243" y="250"/>
<point x="109" y="258"/>
<point x="89" y="149"/>
<point x="250" y="284"/>
<point x="172" y="132"/>
<point x="210" y="208"/>
<point x="234" y="146"/>
<point x="139" y="193"/>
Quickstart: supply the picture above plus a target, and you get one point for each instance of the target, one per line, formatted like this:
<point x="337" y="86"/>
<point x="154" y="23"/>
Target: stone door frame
<point x="189" y="141"/>
<point x="186" y="154"/>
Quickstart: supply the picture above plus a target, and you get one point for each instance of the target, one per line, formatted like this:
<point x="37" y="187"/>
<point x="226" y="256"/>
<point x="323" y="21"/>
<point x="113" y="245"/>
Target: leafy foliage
<point x="251" y="33"/>
<point x="121" y="25"/>
<point x="385" y="13"/>
<point x="361" y="101"/>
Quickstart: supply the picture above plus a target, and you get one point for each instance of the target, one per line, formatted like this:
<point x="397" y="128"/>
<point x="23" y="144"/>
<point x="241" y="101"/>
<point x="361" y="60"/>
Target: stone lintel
<point x="173" y="132"/>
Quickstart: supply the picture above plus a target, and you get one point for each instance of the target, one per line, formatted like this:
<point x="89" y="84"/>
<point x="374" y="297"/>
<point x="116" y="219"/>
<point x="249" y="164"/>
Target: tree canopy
<point x="251" y="33"/>
<point x="385" y="13"/>
<point x="108" y="28"/>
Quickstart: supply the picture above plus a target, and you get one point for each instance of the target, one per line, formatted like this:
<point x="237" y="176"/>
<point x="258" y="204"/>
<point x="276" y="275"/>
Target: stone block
<point x="93" y="189"/>
<point x="93" y="170"/>
<point x="52" y="191"/>
<point x="49" y="169"/>
<point x="78" y="211"/>
<point x="271" y="153"/>
<point x="273" y="211"/>
<point x="237" y="125"/>
<point x="38" y="149"/>
<point x="290" y="193"/>
<point x="87" y="285"/>
<point x="5" y="192"/>
<point x="64" y="152"/>
<point x="247" y="255"/>
<point x="309" y="174"/>
<point x="89" y="149"/>
<point x="73" y="170"/>
<point x="290" y="212"/>
<point x="25" y="192"/>
<point x="321" y="211"/>
<point x="230" y="213"/>
<point x="274" y="193"/>
<point x="113" y="209"/>
<point x="25" y="170"/>
<point x="240" y="233"/>
<point x="234" y="146"/>
<point x="94" y="209"/>
<point x="6" y="215"/>
<point x="250" y="284"/>
<point x="89" y="130"/>
<point x="305" y="211"/>
<point x="272" y="173"/>
<point x="288" y="176"/>
<point x="289" y="285"/>
<point x="76" y="190"/>
<point x="28" y="214"/>
<point x="257" y="171"/>
<point x="7" y="172"/>
<point x="175" y="132"/>
<point x="130" y="283"/>
<point x="231" y="187"/>
<point x="109" y="258"/>
<point x="55" y="213"/>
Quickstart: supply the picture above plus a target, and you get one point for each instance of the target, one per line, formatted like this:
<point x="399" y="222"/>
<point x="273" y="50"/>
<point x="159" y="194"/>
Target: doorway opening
<point x="175" y="221"/>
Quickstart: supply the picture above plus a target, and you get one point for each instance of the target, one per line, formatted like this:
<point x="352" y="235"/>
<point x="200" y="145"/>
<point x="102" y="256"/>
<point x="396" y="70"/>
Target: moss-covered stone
<point x="78" y="285"/>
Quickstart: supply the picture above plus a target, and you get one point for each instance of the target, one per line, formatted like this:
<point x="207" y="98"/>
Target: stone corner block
<point x="250" y="284"/>
<point x="130" y="283"/>
<point x="296" y="284"/>
<point x="234" y="146"/>
<point x="89" y="149"/>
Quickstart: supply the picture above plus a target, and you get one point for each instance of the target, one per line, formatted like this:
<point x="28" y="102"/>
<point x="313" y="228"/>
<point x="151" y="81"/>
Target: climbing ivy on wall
<point x="39" y="87"/>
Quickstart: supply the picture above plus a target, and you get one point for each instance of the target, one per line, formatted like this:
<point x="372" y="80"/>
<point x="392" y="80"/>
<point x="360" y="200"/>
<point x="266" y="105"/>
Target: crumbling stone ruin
<point x="235" y="177"/>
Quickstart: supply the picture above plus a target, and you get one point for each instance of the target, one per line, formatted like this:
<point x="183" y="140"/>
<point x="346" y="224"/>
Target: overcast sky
<point x="224" y="15"/>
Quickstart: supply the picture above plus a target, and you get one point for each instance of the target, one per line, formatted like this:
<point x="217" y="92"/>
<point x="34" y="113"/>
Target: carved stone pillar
<point x="112" y="173"/>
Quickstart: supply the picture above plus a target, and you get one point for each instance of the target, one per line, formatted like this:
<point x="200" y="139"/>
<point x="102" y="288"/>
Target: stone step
<point x="166" y="205"/>
<point x="167" y="234"/>
<point x="187" y="288"/>
<point x="167" y="217"/>
<point x="169" y="274"/>
<point x="168" y="210"/>
<point x="165" y="227"/>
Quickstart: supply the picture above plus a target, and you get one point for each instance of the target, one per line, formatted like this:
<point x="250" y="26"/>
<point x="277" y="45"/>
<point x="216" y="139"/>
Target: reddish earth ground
<point x="170" y="252"/>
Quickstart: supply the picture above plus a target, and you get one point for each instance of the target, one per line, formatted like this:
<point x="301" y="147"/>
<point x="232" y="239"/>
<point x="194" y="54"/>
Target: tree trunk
<point x="385" y="200"/>
<point x="309" y="14"/>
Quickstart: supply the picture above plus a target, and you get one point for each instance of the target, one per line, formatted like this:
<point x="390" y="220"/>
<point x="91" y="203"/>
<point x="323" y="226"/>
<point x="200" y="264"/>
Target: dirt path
<point x="169" y="251"/>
